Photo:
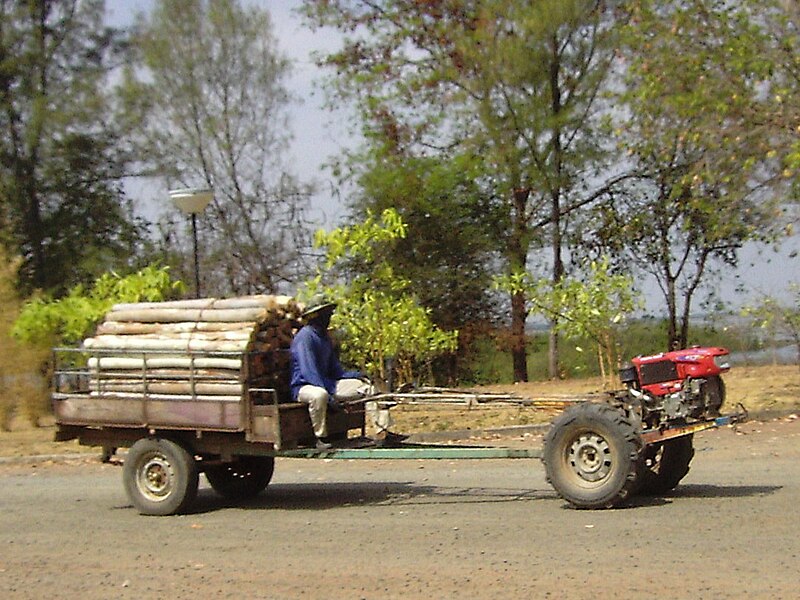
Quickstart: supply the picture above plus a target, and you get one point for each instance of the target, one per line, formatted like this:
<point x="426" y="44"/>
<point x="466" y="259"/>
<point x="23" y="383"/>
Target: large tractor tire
<point x="664" y="465"/>
<point x="243" y="478"/>
<point x="591" y="455"/>
<point x="160" y="477"/>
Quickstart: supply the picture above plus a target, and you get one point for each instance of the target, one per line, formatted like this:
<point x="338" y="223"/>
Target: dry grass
<point x="761" y="390"/>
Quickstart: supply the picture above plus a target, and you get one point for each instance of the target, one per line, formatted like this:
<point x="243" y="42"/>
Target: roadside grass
<point x="763" y="390"/>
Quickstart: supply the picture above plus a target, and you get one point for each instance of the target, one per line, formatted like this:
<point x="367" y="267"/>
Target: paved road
<point x="414" y="529"/>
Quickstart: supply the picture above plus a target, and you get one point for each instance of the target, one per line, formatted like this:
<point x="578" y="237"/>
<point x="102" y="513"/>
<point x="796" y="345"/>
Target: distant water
<point x="787" y="355"/>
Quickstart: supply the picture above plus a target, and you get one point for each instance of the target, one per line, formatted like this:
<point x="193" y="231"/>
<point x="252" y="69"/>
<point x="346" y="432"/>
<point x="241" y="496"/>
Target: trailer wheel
<point x="160" y="477"/>
<point x="664" y="465"/>
<point x="243" y="478"/>
<point x="591" y="455"/>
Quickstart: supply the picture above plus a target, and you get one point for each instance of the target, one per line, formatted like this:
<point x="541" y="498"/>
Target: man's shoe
<point x="323" y="445"/>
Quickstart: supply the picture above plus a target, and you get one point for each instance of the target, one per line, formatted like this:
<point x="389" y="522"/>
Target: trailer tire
<point x="591" y="455"/>
<point x="664" y="465"/>
<point x="160" y="477"/>
<point x="243" y="478"/>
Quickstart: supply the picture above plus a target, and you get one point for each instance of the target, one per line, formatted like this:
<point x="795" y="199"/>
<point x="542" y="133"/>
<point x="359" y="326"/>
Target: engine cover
<point x="665" y="373"/>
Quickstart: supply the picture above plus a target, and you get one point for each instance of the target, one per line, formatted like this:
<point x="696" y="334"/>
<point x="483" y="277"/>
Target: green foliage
<point x="378" y="318"/>
<point x="704" y="180"/>
<point x="453" y="230"/>
<point x="361" y="240"/>
<point x="67" y="320"/>
<point x="378" y="326"/>
<point x="634" y="337"/>
<point x="592" y="308"/>
<point x="508" y="85"/>
<point x="63" y="209"/>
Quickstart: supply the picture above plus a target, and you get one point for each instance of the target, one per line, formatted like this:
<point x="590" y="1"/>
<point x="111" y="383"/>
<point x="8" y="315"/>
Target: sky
<point x="320" y="134"/>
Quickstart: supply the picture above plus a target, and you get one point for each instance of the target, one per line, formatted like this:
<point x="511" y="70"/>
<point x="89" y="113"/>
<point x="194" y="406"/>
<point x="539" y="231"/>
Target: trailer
<point x="201" y="387"/>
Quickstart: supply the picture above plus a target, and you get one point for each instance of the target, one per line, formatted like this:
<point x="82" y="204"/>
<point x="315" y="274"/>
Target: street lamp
<point x="193" y="201"/>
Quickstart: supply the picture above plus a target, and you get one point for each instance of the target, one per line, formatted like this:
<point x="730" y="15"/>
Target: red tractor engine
<point x="678" y="384"/>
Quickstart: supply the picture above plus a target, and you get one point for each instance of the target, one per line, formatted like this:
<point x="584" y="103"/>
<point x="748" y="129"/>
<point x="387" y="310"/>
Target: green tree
<point x="46" y="321"/>
<point x="208" y="90"/>
<point x="513" y="83"/>
<point x="593" y="307"/>
<point x="377" y="314"/>
<point x="449" y="248"/>
<point x="705" y="178"/>
<point x="61" y="204"/>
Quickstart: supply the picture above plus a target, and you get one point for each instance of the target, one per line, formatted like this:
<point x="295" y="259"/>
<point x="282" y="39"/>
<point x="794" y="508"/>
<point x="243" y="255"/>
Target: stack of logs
<point x="205" y="349"/>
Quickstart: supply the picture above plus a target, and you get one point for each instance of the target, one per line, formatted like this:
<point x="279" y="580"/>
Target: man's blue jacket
<point x="314" y="362"/>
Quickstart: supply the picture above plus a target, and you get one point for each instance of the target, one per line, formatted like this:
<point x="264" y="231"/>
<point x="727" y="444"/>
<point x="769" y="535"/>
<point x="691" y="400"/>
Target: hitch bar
<point x="653" y="436"/>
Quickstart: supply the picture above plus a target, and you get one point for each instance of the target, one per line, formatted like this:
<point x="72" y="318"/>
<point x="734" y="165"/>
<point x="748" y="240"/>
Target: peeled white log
<point x="272" y="303"/>
<point x="134" y="328"/>
<point x="115" y="342"/>
<point x="176" y="315"/>
<point x="166" y="387"/>
<point x="129" y="375"/>
<point x="197" y="303"/>
<point x="255" y="301"/>
<point x="167" y="397"/>
<point x="161" y="362"/>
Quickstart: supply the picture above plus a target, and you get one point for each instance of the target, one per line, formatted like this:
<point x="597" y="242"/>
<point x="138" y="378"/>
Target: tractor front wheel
<point x="591" y="455"/>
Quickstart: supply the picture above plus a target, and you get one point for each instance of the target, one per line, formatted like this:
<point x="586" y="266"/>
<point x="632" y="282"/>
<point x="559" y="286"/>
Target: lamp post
<point x="193" y="201"/>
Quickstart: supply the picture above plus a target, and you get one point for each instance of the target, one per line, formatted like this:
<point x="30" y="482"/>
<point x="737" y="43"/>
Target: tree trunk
<point x="518" y="253"/>
<point x="554" y="370"/>
<point x="518" y="347"/>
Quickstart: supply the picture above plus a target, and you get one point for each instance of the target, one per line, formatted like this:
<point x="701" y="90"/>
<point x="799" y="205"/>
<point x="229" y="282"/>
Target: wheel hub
<point x="589" y="456"/>
<point x="155" y="477"/>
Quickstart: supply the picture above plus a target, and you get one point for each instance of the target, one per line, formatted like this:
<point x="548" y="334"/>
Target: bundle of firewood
<point x="206" y="349"/>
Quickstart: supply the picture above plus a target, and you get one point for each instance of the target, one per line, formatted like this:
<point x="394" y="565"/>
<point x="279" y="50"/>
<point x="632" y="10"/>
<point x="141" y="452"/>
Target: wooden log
<point x="115" y="342"/>
<point x="169" y="397"/>
<point x="136" y="328"/>
<point x="282" y="303"/>
<point x="181" y="304"/>
<point x="273" y="303"/>
<point x="217" y="375"/>
<point x="161" y="362"/>
<point x="176" y="315"/>
<point x="166" y="387"/>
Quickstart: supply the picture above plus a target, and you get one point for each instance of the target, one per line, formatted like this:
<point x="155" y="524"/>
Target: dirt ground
<point x="487" y="529"/>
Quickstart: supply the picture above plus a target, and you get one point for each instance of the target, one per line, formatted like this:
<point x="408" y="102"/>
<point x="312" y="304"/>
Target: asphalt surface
<point x="413" y="529"/>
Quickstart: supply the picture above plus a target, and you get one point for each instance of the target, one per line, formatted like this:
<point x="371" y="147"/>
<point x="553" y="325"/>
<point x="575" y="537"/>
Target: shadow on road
<point x="325" y="496"/>
<point x="694" y="490"/>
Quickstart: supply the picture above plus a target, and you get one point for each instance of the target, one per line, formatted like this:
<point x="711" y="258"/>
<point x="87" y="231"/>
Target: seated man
<point x="318" y="378"/>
